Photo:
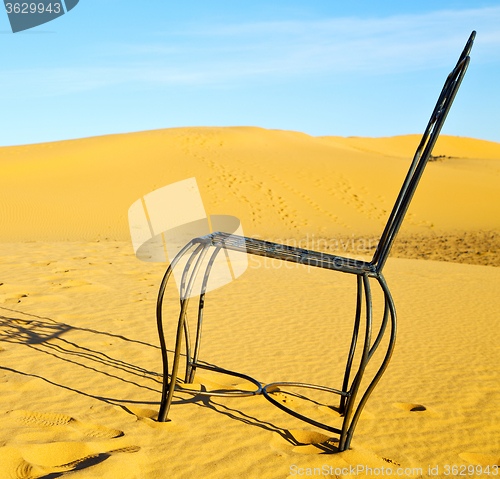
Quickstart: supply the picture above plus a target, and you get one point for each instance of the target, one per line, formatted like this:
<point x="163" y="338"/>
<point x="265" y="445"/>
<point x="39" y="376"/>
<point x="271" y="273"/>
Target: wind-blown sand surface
<point x="80" y="360"/>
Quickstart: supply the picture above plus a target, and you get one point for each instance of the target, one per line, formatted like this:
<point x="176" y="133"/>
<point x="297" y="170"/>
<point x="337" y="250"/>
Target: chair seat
<point x="287" y="253"/>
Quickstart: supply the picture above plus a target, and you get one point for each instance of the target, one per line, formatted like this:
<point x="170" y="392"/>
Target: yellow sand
<point x="80" y="362"/>
<point x="279" y="183"/>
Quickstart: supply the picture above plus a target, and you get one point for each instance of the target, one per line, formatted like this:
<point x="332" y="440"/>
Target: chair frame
<point x="198" y="248"/>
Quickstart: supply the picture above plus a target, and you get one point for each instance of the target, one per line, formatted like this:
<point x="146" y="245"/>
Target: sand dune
<point x="403" y="146"/>
<point x="280" y="184"/>
<point x="80" y="363"/>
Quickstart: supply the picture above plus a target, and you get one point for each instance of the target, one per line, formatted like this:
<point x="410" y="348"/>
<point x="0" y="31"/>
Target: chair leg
<point x="185" y="292"/>
<point x="185" y="275"/>
<point x="159" y="319"/>
<point x="201" y="305"/>
<point x="345" y="386"/>
<point x="188" y="348"/>
<point x="389" y="305"/>
<point x="346" y="424"/>
<point x="169" y="387"/>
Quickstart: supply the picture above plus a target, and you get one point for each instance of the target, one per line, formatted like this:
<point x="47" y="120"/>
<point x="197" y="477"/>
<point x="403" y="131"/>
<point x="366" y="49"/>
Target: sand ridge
<point x="278" y="183"/>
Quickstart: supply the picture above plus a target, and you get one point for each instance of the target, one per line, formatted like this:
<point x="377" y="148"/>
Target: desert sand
<point x="80" y="360"/>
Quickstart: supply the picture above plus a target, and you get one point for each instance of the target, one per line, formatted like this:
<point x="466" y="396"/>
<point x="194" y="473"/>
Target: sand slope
<point x="280" y="184"/>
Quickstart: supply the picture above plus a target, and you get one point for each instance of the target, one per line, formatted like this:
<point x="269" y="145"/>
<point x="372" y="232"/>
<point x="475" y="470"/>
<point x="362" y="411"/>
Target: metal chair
<point x="199" y="248"/>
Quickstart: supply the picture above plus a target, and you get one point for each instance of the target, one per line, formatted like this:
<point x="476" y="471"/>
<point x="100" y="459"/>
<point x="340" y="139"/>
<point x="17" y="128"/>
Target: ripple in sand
<point x="479" y="459"/>
<point x="33" y="419"/>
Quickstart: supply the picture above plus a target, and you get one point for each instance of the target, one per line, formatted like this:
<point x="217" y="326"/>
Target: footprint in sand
<point x="309" y="442"/>
<point x="13" y="298"/>
<point x="34" y="419"/>
<point x="82" y="285"/>
<point x="139" y="412"/>
<point x="149" y="417"/>
<point x="304" y="442"/>
<point x="406" y="406"/>
<point x="35" y="461"/>
<point x="334" y="411"/>
<point x="280" y="396"/>
<point x="417" y="409"/>
<point x="215" y="382"/>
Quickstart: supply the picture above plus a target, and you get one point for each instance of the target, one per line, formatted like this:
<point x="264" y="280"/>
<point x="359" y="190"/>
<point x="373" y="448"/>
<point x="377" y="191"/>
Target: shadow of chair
<point x="199" y="265"/>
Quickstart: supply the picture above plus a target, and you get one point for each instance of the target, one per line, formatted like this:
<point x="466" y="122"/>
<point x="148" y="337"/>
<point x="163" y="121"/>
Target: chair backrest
<point x="421" y="157"/>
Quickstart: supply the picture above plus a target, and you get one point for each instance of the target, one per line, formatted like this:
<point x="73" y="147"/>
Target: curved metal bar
<point x="188" y="347"/>
<point x="296" y="414"/>
<point x="451" y="87"/>
<point x="306" y="385"/>
<point x="189" y="362"/>
<point x="159" y="319"/>
<point x="168" y="387"/>
<point x="181" y="292"/>
<point x="384" y="364"/>
<point x="168" y="395"/>
<point x="422" y="155"/>
<point x="352" y="350"/>
<point x="182" y="287"/>
<point x="364" y="361"/>
<point x="231" y="373"/>
<point x="192" y="364"/>
<point x="382" y="329"/>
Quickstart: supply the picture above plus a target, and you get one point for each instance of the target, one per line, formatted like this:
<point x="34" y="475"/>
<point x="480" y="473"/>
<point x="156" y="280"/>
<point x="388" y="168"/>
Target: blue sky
<point x="361" y="68"/>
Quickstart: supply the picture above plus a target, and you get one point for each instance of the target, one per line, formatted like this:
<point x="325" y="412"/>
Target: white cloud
<point x="372" y="45"/>
<point x="226" y="54"/>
